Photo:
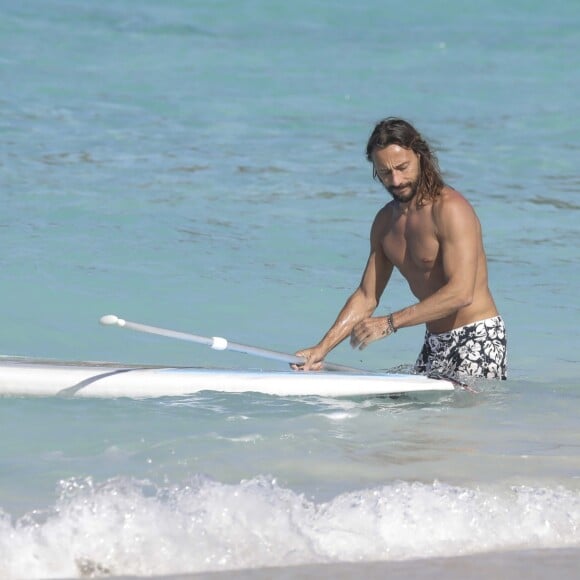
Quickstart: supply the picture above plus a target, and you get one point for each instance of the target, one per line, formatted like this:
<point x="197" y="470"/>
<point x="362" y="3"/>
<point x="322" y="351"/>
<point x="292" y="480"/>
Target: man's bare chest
<point x="412" y="246"/>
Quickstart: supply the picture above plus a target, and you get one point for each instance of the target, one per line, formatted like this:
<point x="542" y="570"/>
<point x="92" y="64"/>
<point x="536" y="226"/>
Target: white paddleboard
<point x="33" y="377"/>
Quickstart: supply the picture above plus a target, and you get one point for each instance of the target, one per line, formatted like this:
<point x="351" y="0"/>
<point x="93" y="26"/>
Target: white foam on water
<point x="125" y="526"/>
<point x="251" y="438"/>
<point x="338" y="416"/>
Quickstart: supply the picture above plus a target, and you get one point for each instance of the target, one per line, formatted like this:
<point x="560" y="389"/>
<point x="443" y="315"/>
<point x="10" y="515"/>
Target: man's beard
<point x="410" y="186"/>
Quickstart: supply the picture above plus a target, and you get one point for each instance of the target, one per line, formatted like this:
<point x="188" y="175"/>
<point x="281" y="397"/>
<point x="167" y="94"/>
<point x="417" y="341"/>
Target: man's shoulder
<point x="385" y="211"/>
<point x="382" y="220"/>
<point x="452" y="200"/>
<point x="452" y="207"/>
<point x="451" y="195"/>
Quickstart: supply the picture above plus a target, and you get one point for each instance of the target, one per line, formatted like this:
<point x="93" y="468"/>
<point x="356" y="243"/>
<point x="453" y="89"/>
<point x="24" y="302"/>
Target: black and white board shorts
<point x="474" y="350"/>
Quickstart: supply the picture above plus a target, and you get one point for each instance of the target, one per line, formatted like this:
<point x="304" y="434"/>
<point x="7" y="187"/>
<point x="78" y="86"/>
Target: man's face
<point x="399" y="170"/>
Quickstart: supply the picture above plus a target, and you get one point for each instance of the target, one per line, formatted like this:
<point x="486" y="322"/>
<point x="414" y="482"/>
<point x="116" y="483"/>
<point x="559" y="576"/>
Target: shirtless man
<point x="431" y="234"/>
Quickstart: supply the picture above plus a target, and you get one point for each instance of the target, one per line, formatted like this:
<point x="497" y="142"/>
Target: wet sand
<point x="563" y="564"/>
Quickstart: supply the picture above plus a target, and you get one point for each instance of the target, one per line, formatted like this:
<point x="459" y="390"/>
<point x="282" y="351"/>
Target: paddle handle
<point x="216" y="342"/>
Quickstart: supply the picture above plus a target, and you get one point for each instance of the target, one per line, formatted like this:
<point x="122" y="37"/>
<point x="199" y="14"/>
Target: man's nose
<point x="396" y="178"/>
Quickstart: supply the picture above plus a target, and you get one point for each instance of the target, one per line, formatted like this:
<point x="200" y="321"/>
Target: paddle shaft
<point x="216" y="343"/>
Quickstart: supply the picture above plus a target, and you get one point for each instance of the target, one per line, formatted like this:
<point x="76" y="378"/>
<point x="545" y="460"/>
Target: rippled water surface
<point x="201" y="167"/>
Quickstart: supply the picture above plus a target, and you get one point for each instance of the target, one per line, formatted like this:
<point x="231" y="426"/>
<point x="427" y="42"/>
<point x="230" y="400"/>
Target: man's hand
<point x="314" y="357"/>
<point x="369" y="330"/>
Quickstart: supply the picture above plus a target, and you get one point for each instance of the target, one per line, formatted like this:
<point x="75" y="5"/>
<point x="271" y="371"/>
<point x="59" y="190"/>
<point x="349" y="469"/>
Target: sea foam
<point x="126" y="526"/>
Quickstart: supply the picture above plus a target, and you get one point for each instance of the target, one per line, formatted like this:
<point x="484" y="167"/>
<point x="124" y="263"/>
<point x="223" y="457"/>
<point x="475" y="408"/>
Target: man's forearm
<point x="443" y="303"/>
<point x="357" y="308"/>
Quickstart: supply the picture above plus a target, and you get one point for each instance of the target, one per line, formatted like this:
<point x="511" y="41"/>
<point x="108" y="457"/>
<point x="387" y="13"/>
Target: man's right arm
<point x="360" y="305"/>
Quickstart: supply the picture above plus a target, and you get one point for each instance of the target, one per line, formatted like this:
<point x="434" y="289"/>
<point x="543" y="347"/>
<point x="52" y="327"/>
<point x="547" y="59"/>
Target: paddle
<point x="216" y="342"/>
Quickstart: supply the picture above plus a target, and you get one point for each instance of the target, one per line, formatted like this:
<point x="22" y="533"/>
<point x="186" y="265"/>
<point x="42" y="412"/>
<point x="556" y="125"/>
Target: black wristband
<point x="390" y="326"/>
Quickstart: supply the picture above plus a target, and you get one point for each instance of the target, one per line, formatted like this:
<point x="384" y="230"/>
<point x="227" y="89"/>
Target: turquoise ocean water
<point x="200" y="166"/>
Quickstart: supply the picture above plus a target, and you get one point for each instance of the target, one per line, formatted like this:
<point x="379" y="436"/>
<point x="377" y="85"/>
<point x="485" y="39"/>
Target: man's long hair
<point x="394" y="131"/>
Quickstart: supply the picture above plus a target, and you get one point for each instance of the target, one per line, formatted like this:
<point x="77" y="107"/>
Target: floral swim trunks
<point x="474" y="350"/>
